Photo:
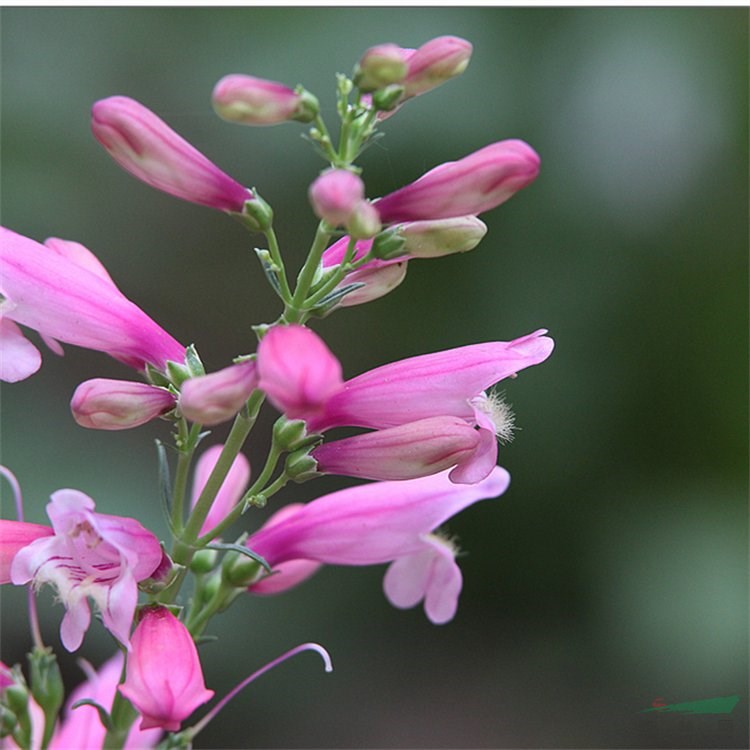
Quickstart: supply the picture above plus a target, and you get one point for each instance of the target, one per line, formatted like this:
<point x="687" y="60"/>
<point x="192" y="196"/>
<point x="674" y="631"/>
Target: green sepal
<point x="270" y="269"/>
<point x="388" y="244"/>
<point x="242" y="550"/>
<point x="8" y="721"/>
<point x="256" y="214"/>
<point x="104" y="716"/>
<point x="156" y="376"/>
<point x="165" y="481"/>
<point x="387" y="98"/>
<point x="193" y="362"/>
<point x="324" y="306"/>
<point x="177" y="373"/>
<point x="308" y="107"/>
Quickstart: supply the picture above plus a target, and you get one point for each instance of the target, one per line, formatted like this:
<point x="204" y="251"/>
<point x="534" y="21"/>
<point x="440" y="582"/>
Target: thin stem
<point x="254" y="676"/>
<point x="243" y="424"/>
<point x="187" y="442"/>
<point x="336" y="277"/>
<point x="294" y="311"/>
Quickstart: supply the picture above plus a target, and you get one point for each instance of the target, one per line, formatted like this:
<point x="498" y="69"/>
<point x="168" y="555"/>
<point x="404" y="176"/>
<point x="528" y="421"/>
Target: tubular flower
<point x="82" y="728"/>
<point x="89" y="555"/>
<point x="231" y="490"/>
<point x="164" y="680"/>
<point x="408" y="451"/>
<point x="452" y="383"/>
<point x="472" y="185"/>
<point x="104" y="404"/>
<point x="144" y="145"/>
<point x="67" y="296"/>
<point x="383" y="522"/>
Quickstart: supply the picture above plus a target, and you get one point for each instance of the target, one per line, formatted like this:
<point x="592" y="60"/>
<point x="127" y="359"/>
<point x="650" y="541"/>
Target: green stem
<point x="184" y="546"/>
<point x="187" y="443"/>
<point x="256" y="488"/>
<point x="336" y="277"/>
<point x="295" y="310"/>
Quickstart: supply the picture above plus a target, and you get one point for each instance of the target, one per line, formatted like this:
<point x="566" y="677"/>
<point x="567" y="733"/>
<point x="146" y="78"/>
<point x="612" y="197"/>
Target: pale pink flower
<point x="61" y="291"/>
<point x="231" y="490"/>
<point x="217" y="397"/>
<point x="472" y="185"/>
<point x="164" y="680"/>
<point x="335" y="194"/>
<point x="383" y="522"/>
<point x="297" y="371"/>
<point x="144" y="145"/>
<point x="254" y="101"/>
<point x="90" y="555"/>
<point x="104" y="404"/>
<point x="81" y="728"/>
<point x="411" y="450"/>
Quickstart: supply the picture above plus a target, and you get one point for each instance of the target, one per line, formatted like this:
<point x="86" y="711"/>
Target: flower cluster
<point x="427" y="427"/>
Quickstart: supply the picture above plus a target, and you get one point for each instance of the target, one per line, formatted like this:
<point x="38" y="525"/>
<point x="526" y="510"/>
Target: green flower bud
<point x="204" y="561"/>
<point x="301" y="466"/>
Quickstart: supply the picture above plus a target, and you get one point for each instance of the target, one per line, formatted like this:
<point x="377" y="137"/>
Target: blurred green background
<point x="614" y="571"/>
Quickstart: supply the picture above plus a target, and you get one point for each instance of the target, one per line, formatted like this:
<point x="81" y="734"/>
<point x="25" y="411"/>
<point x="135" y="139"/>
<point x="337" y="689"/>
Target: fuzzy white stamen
<point x="498" y="410"/>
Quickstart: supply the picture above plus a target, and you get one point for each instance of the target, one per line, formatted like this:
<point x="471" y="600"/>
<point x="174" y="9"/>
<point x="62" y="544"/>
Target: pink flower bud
<point x="164" y="680"/>
<point x="379" y="277"/>
<point x="380" y="66"/>
<point x="335" y="195"/>
<point x="149" y="149"/>
<point x="217" y="397"/>
<point x="474" y="184"/>
<point x="297" y="370"/>
<point x="436" y="62"/>
<point x="411" y="450"/>
<point x="254" y="101"/>
<point x="103" y="404"/>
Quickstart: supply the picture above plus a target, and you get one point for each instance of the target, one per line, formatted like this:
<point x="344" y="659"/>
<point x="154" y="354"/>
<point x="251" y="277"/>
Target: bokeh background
<point x="614" y="571"/>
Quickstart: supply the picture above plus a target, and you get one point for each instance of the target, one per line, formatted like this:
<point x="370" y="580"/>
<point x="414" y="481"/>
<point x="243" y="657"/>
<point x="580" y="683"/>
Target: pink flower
<point x="164" y="680"/>
<point x="472" y="185"/>
<point x="335" y="195"/>
<point x="81" y="727"/>
<point x="61" y="291"/>
<point x="297" y="370"/>
<point x="436" y="62"/>
<point x="384" y="522"/>
<point x="444" y="384"/>
<point x="144" y="145"/>
<point x="411" y="450"/>
<point x="231" y="490"/>
<point x="255" y="101"/>
<point x="215" y="398"/>
<point x="90" y="555"/>
<point x="103" y="404"/>
<point x="14" y="536"/>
